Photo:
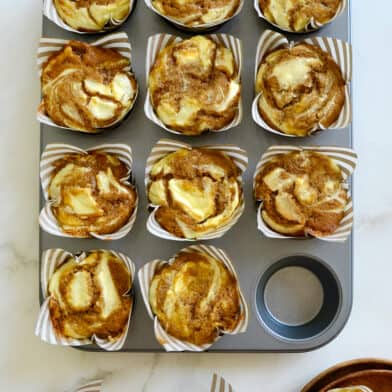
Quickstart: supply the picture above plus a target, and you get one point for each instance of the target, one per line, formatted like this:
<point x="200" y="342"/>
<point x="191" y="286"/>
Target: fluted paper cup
<point x="199" y="28"/>
<point x="167" y="146"/>
<point x="50" y="261"/>
<point x="50" y="11"/>
<point x="345" y="158"/>
<point x="339" y="50"/>
<point x="158" y="42"/>
<point x="170" y="343"/>
<point x="312" y="26"/>
<point x="52" y="153"/>
<point x="49" y="46"/>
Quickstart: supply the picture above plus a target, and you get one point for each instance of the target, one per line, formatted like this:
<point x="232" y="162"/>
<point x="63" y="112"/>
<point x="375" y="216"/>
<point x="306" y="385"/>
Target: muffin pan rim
<point x="247" y="27"/>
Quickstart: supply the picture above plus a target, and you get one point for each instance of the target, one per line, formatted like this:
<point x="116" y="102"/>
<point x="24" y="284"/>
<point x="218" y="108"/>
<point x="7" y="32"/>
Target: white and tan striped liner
<point x="345" y="158"/>
<point x="49" y="46"/>
<point x="219" y="384"/>
<point x="158" y="42"/>
<point x="340" y="52"/>
<point x="195" y="29"/>
<point x="166" y="146"/>
<point x="170" y="343"/>
<point x="51" y="259"/>
<point x="312" y="26"/>
<point x="91" y="386"/>
<point x="49" y="10"/>
<point x="52" y="153"/>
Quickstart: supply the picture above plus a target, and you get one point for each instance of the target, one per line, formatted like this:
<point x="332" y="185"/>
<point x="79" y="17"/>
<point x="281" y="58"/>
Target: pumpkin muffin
<point x="302" y="88"/>
<point x="302" y="193"/>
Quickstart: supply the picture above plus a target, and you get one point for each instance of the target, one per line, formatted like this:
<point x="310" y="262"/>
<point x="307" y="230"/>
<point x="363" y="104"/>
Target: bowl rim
<point x="345" y="368"/>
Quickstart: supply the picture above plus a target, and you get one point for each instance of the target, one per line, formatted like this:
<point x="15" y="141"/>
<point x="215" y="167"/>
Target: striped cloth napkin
<point x="91" y="386"/>
<point x="219" y="384"/>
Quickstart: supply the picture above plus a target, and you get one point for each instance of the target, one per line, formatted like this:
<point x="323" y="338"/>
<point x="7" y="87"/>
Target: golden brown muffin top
<point x="197" y="191"/>
<point x="301" y="87"/>
<point x="91" y="15"/>
<point x="194" y="13"/>
<point x="87" y="297"/>
<point x="194" y="86"/>
<point x="296" y="15"/>
<point x="195" y="298"/>
<point x="85" y="87"/>
<point x="302" y="194"/>
<point x="88" y="195"/>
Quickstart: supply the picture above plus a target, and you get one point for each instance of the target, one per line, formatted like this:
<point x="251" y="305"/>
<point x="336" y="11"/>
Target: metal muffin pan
<point x="255" y="257"/>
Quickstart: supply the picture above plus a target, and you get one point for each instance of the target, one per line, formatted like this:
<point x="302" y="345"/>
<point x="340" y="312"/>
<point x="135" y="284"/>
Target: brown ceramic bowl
<point x="374" y="373"/>
<point x="376" y="380"/>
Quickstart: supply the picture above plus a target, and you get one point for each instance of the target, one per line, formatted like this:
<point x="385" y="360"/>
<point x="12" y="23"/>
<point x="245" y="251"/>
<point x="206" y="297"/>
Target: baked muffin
<point x="301" y="88"/>
<point x="195" y="298"/>
<point x="198" y="191"/>
<point x="196" y="13"/>
<point x="86" y="88"/>
<point x="88" y="297"/>
<point x="87" y="194"/>
<point x="296" y="15"/>
<point x="194" y="86"/>
<point x="303" y="193"/>
<point x="92" y="15"/>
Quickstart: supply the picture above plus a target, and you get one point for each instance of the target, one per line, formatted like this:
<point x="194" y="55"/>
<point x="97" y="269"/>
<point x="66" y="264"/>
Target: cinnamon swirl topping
<point x="92" y="15"/>
<point x="301" y="88"/>
<point x="194" y="13"/>
<point x="88" y="195"/>
<point x="194" y="86"/>
<point x="87" y="297"/>
<point x="302" y="194"/>
<point x="296" y="15"/>
<point x="197" y="191"/>
<point x="195" y="298"/>
<point x="86" y="87"/>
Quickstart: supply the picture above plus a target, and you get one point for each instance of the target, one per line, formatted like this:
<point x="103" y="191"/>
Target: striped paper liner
<point x="219" y="384"/>
<point x="50" y="261"/>
<point x="49" y="46"/>
<point x="50" y="11"/>
<point x="91" y="386"/>
<point x="166" y="146"/>
<point x="312" y="26"/>
<point x="158" y="42"/>
<point x="198" y="28"/>
<point x="170" y="343"/>
<point x="345" y="158"/>
<point x="340" y="52"/>
<point x="52" y="153"/>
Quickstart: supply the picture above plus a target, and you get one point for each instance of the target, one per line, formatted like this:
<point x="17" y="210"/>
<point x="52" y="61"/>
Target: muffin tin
<point x="256" y="258"/>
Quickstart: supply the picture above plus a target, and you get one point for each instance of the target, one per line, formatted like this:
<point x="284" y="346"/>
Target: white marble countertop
<point x="27" y="364"/>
